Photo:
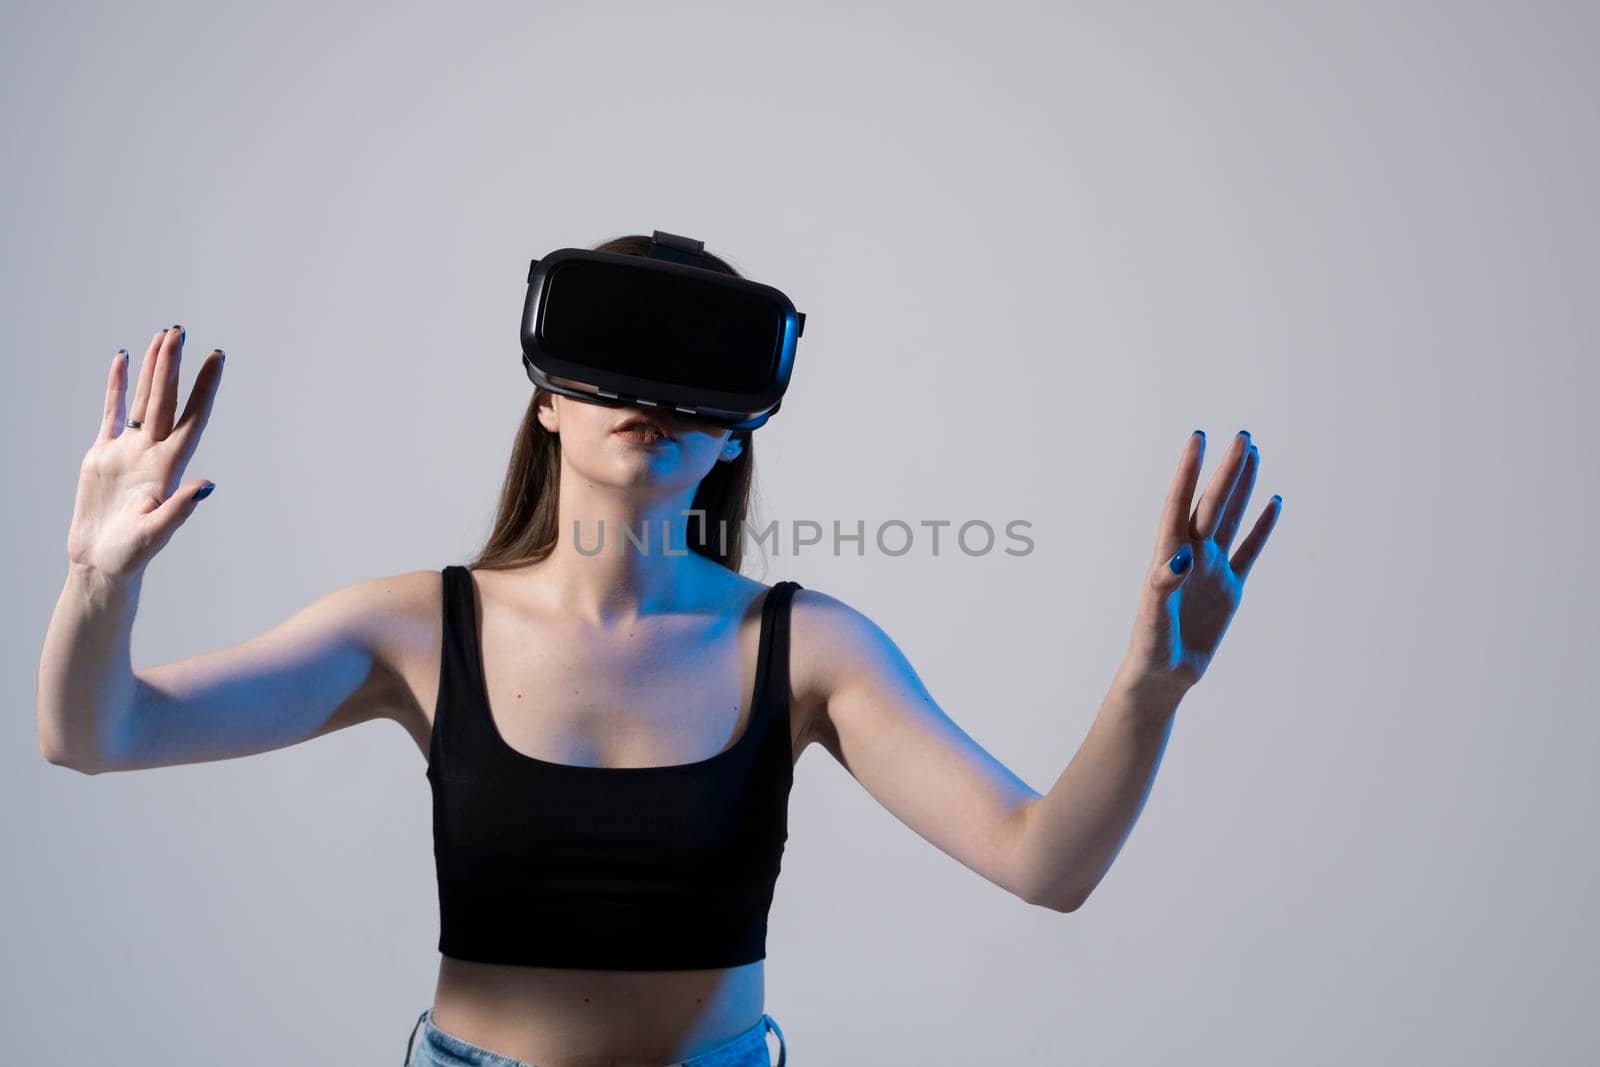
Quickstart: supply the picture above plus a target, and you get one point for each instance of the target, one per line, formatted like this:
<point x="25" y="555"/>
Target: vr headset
<point x="663" y="331"/>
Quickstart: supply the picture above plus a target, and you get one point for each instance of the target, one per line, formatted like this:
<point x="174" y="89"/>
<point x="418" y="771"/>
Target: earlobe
<point x="545" y="412"/>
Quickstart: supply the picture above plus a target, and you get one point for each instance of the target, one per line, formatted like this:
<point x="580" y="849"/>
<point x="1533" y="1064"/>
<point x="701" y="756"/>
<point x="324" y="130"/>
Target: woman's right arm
<point x="85" y="676"/>
<point x="334" y="663"/>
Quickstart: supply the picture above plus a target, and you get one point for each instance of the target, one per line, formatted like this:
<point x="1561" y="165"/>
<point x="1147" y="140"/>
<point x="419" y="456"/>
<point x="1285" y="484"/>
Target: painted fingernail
<point x="205" y="491"/>
<point x="1180" y="561"/>
<point x="1244" y="433"/>
<point x="1202" y="434"/>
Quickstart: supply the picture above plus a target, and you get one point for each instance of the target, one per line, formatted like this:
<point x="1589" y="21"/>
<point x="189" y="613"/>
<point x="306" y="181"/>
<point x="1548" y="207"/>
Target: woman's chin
<point x="637" y="468"/>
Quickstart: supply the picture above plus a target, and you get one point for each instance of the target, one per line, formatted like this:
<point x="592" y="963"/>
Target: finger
<point x="1228" y="524"/>
<point x="116" y="393"/>
<point x="164" y="394"/>
<point x="1172" y="532"/>
<point x="197" y="412"/>
<point x="1251" y="546"/>
<point x="1204" y="521"/>
<point x="159" y="525"/>
<point x="147" y="369"/>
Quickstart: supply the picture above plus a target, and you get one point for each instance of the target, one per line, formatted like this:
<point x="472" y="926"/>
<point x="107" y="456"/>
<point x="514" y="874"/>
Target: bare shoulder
<point x="404" y="614"/>
<point x="828" y="639"/>
<point x="398" y="617"/>
<point x="824" y="627"/>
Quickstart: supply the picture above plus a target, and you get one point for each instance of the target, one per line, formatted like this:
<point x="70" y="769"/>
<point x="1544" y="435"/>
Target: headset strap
<point x="677" y="249"/>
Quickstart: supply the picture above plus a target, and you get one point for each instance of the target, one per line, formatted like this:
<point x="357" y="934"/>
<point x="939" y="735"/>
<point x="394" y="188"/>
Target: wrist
<point x="95" y="586"/>
<point x="1147" y="692"/>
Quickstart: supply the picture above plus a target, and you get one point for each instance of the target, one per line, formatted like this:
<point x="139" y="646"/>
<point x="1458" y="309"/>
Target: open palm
<point x="1194" y="587"/>
<point x="130" y="496"/>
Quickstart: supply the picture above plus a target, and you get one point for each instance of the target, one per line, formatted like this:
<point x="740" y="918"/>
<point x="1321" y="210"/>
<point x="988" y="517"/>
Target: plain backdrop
<point x="1037" y="245"/>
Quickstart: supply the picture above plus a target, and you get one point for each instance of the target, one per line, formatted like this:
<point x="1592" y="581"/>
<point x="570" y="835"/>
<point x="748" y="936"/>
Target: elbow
<point x="1062" y="906"/>
<point x="59" y="755"/>
<point x="1058" y="902"/>
<point x="88" y="748"/>
<point x="61" y="759"/>
<point x="51" y="748"/>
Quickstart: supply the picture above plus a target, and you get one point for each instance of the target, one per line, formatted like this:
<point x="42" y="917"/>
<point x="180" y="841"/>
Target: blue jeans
<point x="437" y="1048"/>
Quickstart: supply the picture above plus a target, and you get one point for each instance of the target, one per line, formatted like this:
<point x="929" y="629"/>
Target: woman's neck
<point x="619" y="556"/>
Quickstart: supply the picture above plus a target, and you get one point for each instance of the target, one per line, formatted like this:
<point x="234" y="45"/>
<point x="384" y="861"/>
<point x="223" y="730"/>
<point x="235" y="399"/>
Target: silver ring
<point x="134" y="424"/>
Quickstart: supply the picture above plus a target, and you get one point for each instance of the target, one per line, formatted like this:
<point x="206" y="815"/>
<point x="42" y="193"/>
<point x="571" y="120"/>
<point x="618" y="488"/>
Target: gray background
<point x="1037" y="246"/>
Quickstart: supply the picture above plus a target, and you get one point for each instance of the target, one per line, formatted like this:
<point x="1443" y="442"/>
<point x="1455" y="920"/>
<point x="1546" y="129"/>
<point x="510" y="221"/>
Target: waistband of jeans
<point x="754" y="1035"/>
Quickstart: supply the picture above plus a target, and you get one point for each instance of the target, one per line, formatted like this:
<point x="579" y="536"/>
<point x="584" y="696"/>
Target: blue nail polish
<point x="1180" y="562"/>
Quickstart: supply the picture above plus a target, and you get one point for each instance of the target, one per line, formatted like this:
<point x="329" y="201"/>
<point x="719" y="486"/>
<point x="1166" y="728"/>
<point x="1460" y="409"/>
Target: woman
<point x="611" y="721"/>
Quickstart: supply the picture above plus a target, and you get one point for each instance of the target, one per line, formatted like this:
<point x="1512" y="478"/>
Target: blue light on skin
<point x="609" y="485"/>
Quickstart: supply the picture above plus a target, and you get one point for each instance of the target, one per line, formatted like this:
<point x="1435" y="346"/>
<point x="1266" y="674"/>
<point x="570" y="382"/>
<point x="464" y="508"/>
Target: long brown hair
<point x="525" y="521"/>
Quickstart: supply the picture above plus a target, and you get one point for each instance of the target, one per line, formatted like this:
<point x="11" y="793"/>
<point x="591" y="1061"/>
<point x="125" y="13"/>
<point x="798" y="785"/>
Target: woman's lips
<point x="641" y="434"/>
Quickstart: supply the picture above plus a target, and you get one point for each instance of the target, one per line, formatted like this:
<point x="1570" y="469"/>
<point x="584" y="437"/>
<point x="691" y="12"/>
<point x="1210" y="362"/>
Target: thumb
<point x="165" y="520"/>
<point x="1174" y="571"/>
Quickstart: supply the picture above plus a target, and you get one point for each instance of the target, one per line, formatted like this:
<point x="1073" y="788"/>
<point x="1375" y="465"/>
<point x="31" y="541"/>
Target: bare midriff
<point x="580" y="1018"/>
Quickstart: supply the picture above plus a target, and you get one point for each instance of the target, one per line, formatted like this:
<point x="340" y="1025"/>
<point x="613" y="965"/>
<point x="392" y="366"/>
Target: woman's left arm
<point x="1190" y="594"/>
<point x="879" y="722"/>
<point x="874" y="715"/>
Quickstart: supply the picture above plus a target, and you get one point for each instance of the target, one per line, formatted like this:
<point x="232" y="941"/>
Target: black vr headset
<point x="665" y="331"/>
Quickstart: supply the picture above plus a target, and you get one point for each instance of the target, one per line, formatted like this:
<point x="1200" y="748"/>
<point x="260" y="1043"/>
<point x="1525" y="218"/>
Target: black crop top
<point x="612" y="868"/>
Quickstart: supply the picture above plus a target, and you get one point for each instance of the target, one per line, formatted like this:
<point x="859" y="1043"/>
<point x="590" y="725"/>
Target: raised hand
<point x="130" y="500"/>
<point x="1193" y="588"/>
